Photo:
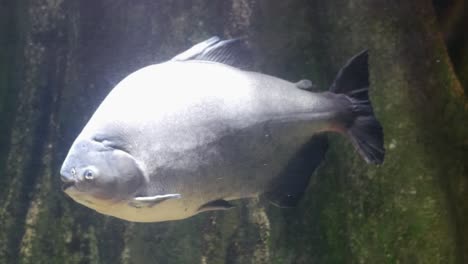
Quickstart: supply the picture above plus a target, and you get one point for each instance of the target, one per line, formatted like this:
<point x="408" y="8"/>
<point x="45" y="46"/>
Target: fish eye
<point x="88" y="174"/>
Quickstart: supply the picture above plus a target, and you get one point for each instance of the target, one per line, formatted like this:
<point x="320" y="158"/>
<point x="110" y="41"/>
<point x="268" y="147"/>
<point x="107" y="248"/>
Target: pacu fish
<point x="189" y="135"/>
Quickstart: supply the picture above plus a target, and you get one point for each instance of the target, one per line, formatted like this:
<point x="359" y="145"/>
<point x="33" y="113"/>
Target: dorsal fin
<point x="233" y="52"/>
<point x="215" y="205"/>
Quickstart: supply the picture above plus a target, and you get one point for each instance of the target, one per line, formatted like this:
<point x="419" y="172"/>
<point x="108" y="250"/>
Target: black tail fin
<point x="365" y="131"/>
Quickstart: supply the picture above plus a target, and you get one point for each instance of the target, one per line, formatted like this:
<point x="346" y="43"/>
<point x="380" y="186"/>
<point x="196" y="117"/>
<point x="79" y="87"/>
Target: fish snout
<point x="68" y="177"/>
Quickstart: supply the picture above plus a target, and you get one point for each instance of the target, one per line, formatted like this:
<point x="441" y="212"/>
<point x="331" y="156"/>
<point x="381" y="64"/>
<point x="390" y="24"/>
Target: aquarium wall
<point x="60" y="58"/>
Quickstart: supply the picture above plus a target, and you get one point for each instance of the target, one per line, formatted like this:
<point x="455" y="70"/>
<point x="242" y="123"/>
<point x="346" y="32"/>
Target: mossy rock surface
<point x="58" y="60"/>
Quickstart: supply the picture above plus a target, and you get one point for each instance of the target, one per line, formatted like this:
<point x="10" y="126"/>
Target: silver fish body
<point x="186" y="136"/>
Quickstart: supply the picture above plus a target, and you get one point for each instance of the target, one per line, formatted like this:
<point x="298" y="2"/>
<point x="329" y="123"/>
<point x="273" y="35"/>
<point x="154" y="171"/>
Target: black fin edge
<point x="215" y="205"/>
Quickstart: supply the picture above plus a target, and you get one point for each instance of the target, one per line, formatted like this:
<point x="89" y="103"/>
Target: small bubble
<point x="392" y="144"/>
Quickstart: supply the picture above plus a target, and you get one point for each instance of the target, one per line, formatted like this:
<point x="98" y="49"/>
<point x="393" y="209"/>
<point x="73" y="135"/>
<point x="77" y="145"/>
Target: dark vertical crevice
<point x="33" y="169"/>
<point x="48" y="77"/>
<point x="453" y="21"/>
<point x="10" y="50"/>
<point x="12" y="44"/>
<point x="432" y="100"/>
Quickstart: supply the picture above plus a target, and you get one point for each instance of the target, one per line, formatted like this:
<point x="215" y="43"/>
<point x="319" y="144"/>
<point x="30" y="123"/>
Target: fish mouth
<point x="67" y="185"/>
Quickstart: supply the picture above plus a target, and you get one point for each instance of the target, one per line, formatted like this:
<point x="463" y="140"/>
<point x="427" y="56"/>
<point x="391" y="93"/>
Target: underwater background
<point x="60" y="58"/>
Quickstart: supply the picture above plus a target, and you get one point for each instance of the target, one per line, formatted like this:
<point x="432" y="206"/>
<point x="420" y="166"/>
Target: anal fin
<point x="215" y="205"/>
<point x="288" y="188"/>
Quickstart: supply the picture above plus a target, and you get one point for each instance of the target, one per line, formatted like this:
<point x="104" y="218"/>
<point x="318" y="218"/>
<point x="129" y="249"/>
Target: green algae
<point x="412" y="209"/>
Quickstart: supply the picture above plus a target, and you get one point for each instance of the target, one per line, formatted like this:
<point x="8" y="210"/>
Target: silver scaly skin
<point x="188" y="135"/>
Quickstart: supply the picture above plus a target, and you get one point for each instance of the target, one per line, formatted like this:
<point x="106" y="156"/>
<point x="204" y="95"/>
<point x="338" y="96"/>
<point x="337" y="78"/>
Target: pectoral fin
<point x="150" y="201"/>
<point x="215" y="205"/>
